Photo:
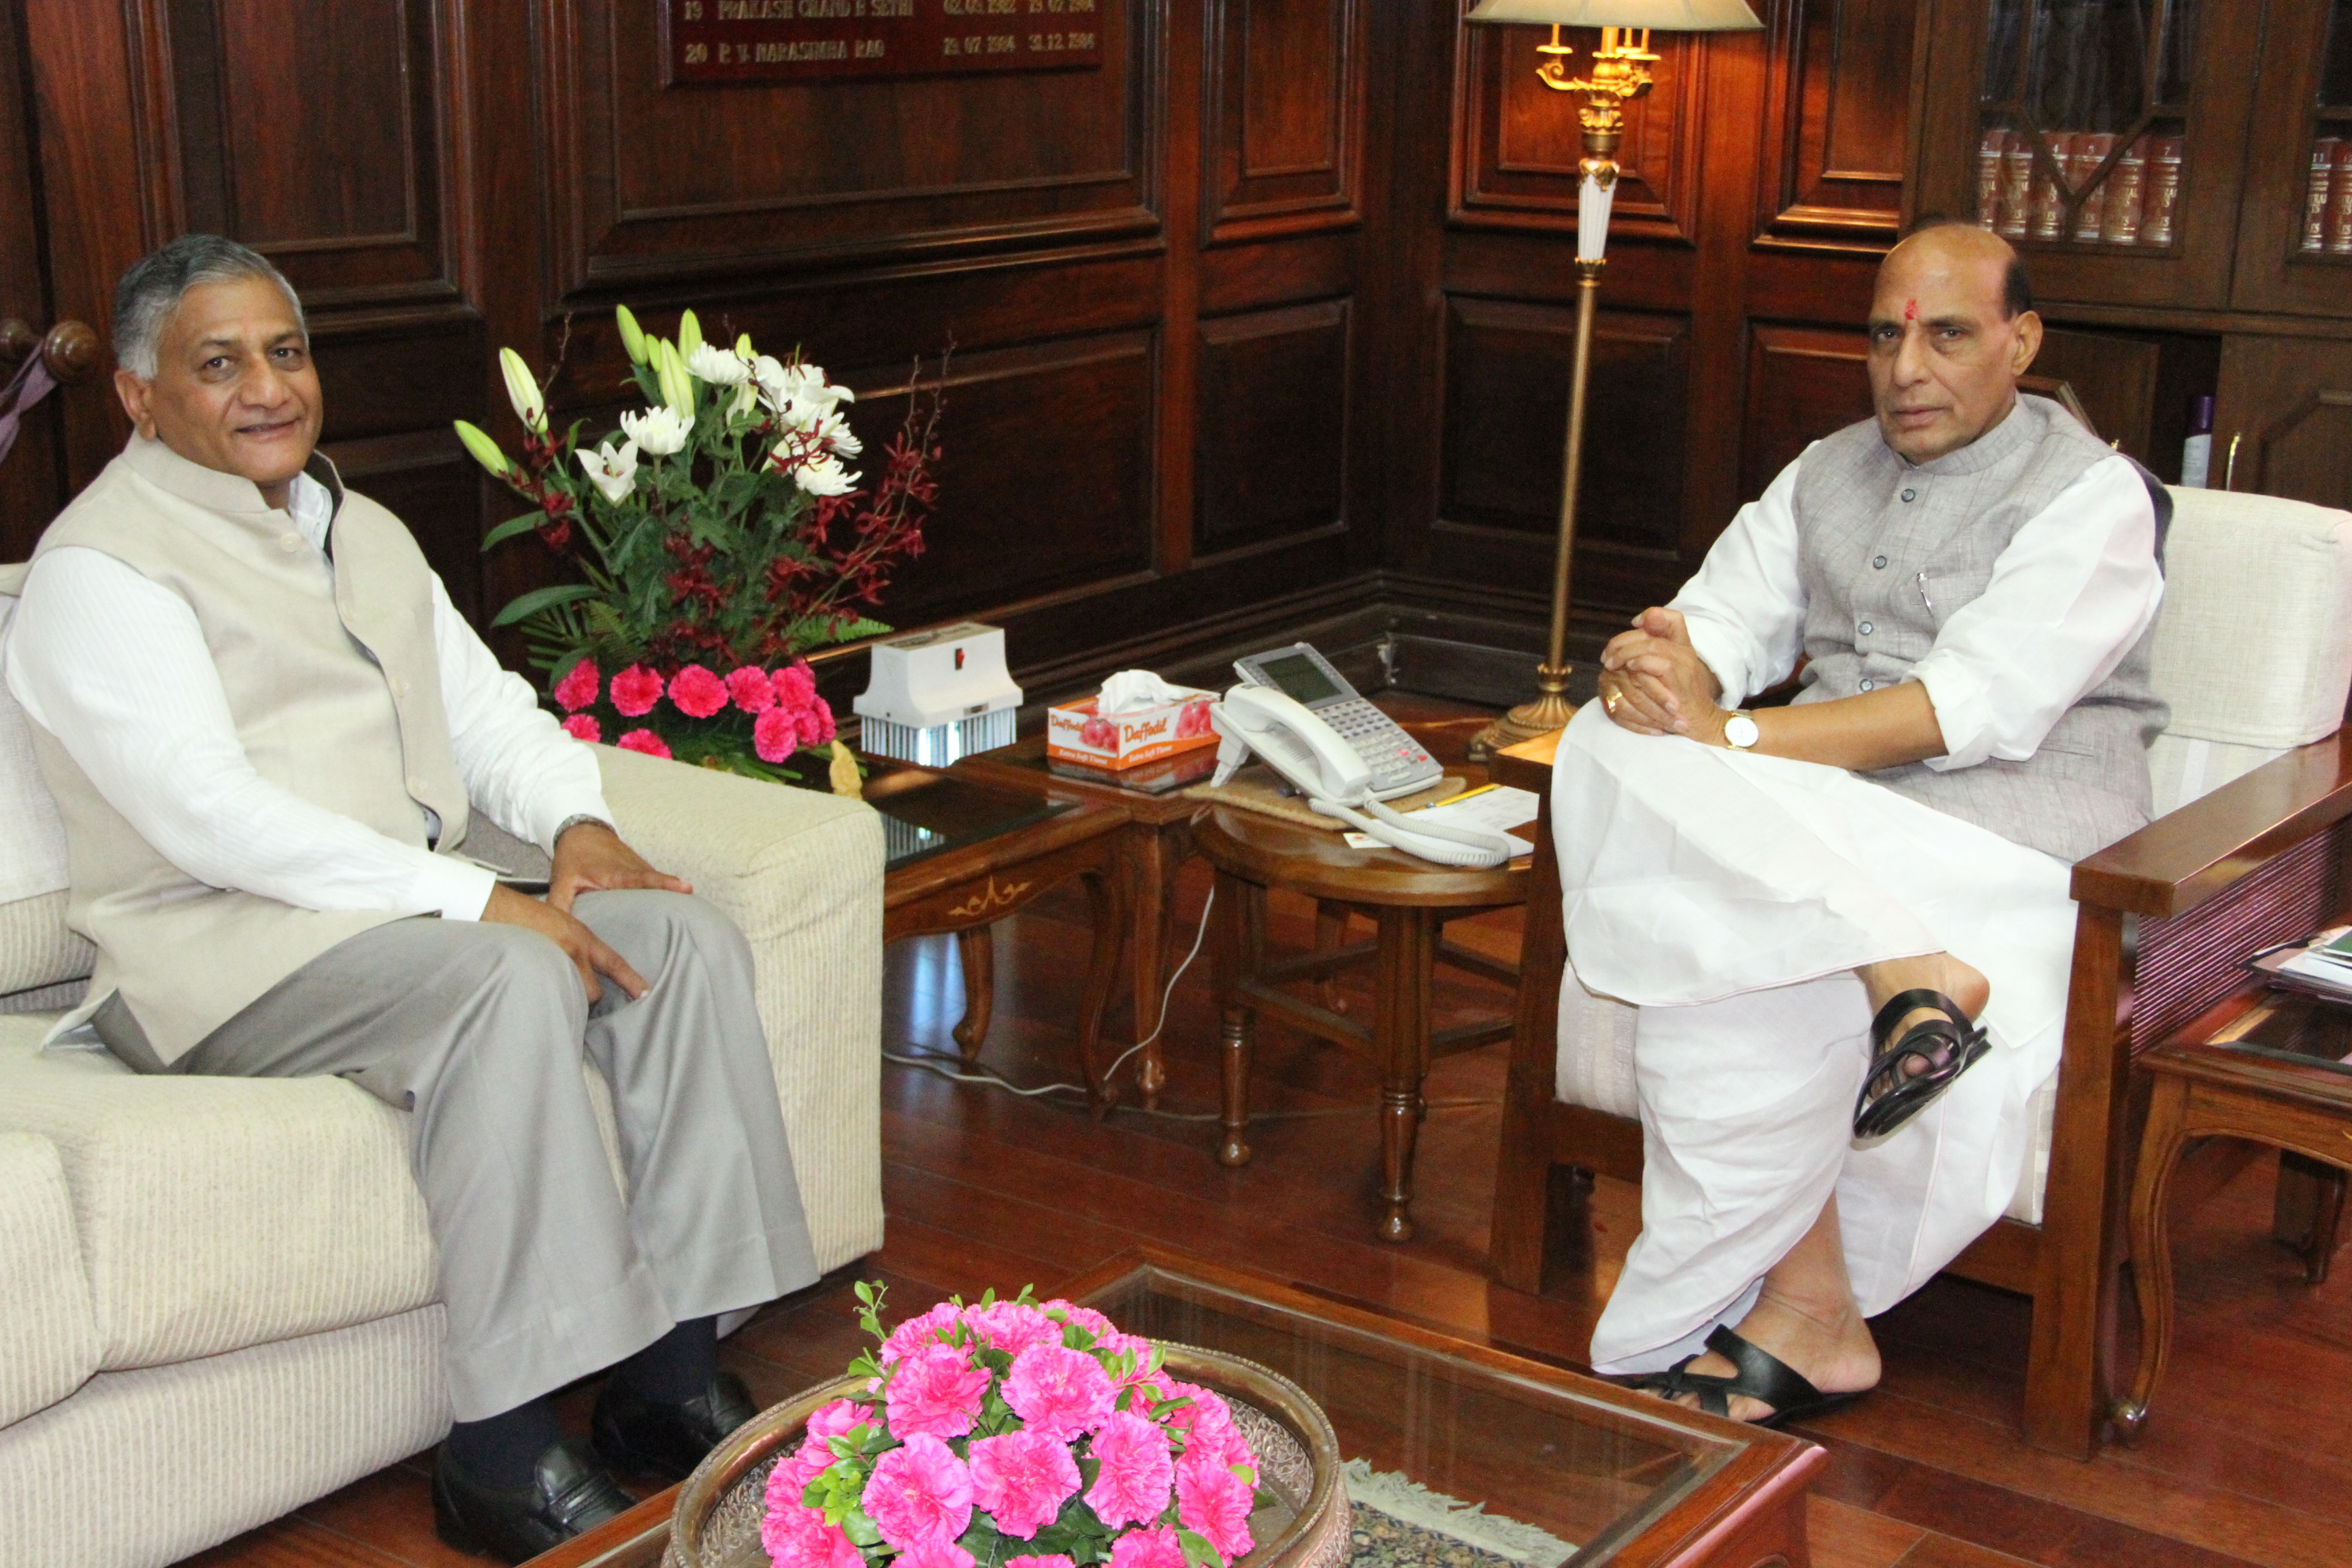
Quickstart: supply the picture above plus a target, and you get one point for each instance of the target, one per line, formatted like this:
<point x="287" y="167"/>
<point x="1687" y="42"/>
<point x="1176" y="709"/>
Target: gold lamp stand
<point x="1620" y="72"/>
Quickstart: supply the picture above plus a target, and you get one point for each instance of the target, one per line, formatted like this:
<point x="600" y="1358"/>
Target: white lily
<point x="658" y="431"/>
<point x="615" y="472"/>
<point x="797" y="393"/>
<point x="822" y="475"/>
<point x="718" y="366"/>
<point x="522" y="391"/>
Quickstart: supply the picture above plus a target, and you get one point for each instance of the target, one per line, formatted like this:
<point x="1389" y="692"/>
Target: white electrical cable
<point x="931" y="1064"/>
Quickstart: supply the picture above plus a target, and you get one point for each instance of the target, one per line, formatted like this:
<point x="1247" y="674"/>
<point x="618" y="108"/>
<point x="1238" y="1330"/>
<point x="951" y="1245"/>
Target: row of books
<point x="2328" y="205"/>
<point x="2023" y="196"/>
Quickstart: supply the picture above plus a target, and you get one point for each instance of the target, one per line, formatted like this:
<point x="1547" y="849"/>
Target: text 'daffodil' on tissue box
<point x="1138" y="718"/>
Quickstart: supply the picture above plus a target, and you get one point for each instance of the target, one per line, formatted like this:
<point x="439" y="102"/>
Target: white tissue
<point x="1132" y="691"/>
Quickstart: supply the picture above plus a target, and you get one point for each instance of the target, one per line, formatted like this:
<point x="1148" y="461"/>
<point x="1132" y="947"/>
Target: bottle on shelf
<point x="2196" y="451"/>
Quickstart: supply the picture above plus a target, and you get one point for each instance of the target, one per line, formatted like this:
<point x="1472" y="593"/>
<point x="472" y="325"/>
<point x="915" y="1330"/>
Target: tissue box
<point x="1076" y="732"/>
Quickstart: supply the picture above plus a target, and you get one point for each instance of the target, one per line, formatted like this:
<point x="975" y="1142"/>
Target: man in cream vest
<point x="1845" y="922"/>
<point x="267" y="733"/>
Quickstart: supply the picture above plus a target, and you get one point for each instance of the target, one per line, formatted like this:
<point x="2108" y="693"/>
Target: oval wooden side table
<point x="1408" y="901"/>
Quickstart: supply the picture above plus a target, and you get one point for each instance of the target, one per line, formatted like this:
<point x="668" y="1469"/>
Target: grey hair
<point x="154" y="285"/>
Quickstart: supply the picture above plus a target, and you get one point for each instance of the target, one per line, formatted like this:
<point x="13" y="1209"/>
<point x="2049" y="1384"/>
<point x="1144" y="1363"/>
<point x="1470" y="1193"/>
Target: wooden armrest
<point x="1527" y="766"/>
<point x="2178" y="861"/>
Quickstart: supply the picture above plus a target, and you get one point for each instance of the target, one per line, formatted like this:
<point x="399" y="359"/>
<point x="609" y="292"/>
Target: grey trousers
<point x="546" y="1272"/>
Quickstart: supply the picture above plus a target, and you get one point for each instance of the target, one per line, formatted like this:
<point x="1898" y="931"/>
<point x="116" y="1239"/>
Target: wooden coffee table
<point x="961" y="855"/>
<point x="1624" y="1478"/>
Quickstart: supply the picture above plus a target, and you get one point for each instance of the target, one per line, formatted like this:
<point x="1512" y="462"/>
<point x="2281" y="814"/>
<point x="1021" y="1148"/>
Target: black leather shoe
<point x="634" y="1433"/>
<point x="569" y="1493"/>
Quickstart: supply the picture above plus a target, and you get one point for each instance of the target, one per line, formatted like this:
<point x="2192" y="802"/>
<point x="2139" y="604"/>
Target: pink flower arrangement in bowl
<point x="1015" y="1434"/>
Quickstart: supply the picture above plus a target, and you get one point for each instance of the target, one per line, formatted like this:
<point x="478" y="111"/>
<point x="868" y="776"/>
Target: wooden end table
<point x="1409" y="900"/>
<point x="1157" y="840"/>
<point x="2269" y="1069"/>
<point x="961" y="855"/>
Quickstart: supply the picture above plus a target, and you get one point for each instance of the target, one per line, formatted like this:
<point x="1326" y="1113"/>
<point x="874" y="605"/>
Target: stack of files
<point x="2320" y="967"/>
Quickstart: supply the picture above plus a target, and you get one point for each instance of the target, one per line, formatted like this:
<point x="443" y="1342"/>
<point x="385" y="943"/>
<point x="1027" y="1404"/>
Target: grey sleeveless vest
<point x="1898" y="548"/>
<point x="334" y="683"/>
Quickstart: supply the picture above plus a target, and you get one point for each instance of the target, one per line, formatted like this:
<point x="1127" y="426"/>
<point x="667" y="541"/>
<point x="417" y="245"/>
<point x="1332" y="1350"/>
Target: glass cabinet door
<point x="2102" y="137"/>
<point x="2295" y="249"/>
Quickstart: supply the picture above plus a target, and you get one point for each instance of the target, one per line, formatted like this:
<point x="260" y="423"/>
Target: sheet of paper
<point x="1497" y="809"/>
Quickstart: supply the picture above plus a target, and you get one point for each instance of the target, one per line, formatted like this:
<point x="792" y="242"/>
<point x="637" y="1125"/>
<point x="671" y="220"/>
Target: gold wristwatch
<point x="1740" y="730"/>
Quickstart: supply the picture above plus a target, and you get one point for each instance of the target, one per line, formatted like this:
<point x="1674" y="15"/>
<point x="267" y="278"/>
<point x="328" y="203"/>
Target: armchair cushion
<point x="49" y="1340"/>
<point x="2234" y="562"/>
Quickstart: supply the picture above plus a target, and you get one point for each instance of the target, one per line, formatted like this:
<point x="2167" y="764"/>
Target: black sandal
<point x="1761" y="1376"/>
<point x="1950" y="1046"/>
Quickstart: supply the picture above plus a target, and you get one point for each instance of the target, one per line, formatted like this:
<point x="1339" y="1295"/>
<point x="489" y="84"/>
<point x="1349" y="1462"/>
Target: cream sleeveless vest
<point x="1874" y="531"/>
<point x="335" y="688"/>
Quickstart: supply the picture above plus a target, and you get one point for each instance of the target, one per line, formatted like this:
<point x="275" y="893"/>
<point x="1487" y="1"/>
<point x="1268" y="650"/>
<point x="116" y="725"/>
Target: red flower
<point x="584" y="727"/>
<point x="645" y="741"/>
<point x="750" y="688"/>
<point x="579" y="685"/>
<point x="636" y="690"/>
<point x="698" y="693"/>
<point x="775" y="736"/>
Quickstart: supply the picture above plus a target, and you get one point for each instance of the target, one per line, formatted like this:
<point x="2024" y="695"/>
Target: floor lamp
<point x="1620" y="71"/>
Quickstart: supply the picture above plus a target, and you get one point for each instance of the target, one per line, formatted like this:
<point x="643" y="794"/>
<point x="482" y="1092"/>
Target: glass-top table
<point x="1615" y="1478"/>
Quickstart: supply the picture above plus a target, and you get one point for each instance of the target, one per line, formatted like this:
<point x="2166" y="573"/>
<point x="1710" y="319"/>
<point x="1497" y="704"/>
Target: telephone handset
<point x="1335" y="778"/>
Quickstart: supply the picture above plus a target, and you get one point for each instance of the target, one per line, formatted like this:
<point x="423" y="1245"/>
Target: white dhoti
<point x="1729" y="897"/>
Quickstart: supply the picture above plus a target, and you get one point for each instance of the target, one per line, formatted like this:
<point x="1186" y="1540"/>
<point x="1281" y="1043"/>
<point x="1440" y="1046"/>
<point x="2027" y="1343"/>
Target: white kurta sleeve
<point x="1745" y="607"/>
<point x="518" y="764"/>
<point x="115" y="666"/>
<point x="2073" y="591"/>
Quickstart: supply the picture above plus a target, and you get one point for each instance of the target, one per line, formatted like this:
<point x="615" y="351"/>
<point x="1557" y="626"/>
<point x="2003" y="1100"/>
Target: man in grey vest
<point x="267" y="732"/>
<point x="1845" y="922"/>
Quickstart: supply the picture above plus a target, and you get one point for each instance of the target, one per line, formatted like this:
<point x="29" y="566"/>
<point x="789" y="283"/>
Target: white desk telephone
<point x="1333" y="770"/>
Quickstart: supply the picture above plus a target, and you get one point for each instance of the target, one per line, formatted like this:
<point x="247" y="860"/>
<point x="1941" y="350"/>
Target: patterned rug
<point x="1398" y="1523"/>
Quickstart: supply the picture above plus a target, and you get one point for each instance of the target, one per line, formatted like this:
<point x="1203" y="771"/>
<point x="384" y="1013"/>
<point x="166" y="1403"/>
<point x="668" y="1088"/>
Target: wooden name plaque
<point x="805" y="40"/>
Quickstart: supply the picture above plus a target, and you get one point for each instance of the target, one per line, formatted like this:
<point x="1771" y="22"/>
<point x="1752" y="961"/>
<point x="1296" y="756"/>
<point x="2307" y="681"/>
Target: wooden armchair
<point x="2167" y="918"/>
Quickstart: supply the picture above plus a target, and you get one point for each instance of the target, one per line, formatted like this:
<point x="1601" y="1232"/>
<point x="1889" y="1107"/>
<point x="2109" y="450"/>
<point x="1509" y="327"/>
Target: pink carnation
<point x="1147" y="1549"/>
<point x="920" y="1493"/>
<point x="939" y="1554"/>
<point x="795" y="686"/>
<point x="1131" y="1486"/>
<point x="816" y="723"/>
<point x="1040" y="1560"/>
<point x="1057" y="1391"/>
<point x="834" y="1419"/>
<point x="1106" y="1336"/>
<point x="798" y="1537"/>
<point x="645" y="741"/>
<point x="924" y="1330"/>
<point x="584" y="727"/>
<point x="636" y="690"/>
<point x="936" y="1390"/>
<point x="1012" y="1327"/>
<point x="751" y="689"/>
<point x="698" y="693"/>
<point x="579" y="685"/>
<point x="775" y="735"/>
<point x="1021" y="1479"/>
<point x="1214" y="1502"/>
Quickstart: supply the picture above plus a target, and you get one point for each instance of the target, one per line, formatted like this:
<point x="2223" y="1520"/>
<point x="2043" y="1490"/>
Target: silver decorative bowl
<point x="717" y="1522"/>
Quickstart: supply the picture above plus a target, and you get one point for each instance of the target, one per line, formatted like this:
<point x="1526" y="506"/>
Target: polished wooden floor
<point x="2244" y="1462"/>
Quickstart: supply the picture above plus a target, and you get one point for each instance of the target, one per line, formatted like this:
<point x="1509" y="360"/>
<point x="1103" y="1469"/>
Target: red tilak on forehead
<point x="1911" y="310"/>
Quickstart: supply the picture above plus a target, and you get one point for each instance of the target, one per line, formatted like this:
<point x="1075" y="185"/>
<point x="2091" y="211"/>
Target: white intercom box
<point x="935" y="695"/>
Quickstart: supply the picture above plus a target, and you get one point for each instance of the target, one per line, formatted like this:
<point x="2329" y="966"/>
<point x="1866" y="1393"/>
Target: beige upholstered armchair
<point x="2253" y="788"/>
<point x="217" y="1295"/>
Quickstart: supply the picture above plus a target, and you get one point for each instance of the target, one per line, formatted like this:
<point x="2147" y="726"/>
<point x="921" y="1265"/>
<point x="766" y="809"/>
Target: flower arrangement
<point x="718" y="535"/>
<point x="1016" y="1433"/>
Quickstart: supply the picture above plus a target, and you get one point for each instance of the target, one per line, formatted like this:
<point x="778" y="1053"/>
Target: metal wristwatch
<point x="1740" y="730"/>
<point x="570" y="823"/>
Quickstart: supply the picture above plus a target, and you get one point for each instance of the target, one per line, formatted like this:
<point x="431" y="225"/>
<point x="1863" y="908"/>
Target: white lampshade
<point x="1667" y="16"/>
